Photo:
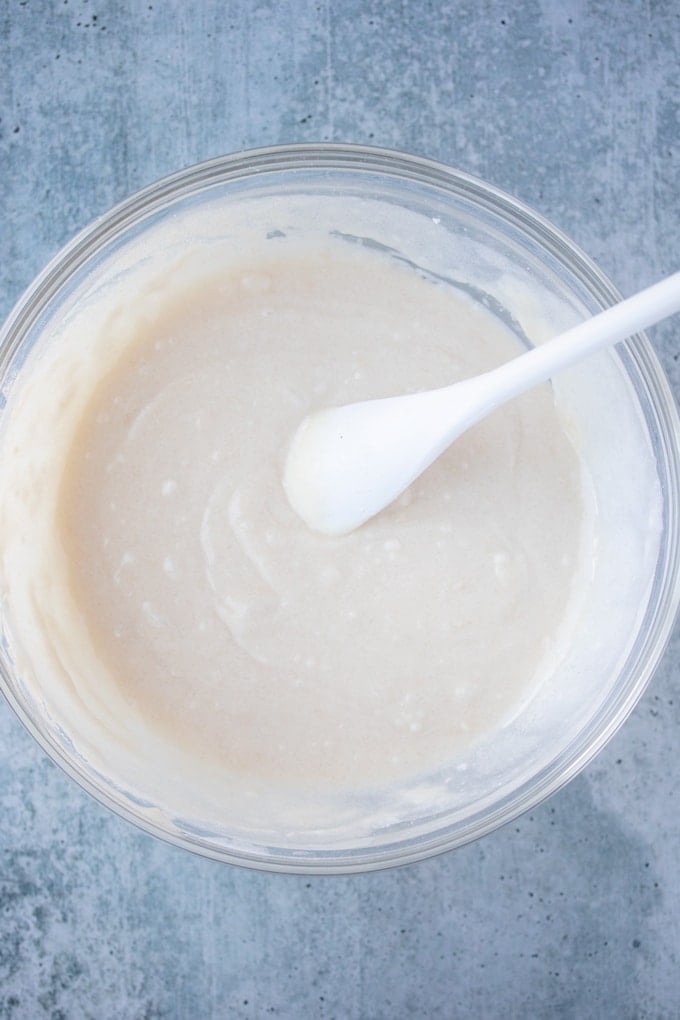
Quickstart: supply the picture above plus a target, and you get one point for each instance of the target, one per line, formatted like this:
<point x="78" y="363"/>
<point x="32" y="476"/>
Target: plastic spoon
<point x="345" y="464"/>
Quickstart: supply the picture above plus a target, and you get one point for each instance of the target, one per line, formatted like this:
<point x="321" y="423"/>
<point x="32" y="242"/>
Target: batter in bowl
<point x="194" y="594"/>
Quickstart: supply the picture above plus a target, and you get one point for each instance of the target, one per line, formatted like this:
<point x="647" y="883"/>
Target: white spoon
<point x="345" y="464"/>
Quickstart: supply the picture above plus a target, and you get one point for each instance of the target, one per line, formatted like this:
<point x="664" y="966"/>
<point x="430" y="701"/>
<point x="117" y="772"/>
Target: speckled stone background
<point x="573" y="911"/>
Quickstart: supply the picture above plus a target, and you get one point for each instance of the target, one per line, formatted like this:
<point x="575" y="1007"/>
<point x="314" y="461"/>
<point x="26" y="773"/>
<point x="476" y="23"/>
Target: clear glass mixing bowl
<point x="453" y="226"/>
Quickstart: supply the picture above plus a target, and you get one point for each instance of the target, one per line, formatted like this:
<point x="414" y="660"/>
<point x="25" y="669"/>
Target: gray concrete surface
<point x="573" y="911"/>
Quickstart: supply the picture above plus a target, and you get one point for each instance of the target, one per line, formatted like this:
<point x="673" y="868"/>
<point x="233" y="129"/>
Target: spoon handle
<point x="609" y="327"/>
<point x="614" y="324"/>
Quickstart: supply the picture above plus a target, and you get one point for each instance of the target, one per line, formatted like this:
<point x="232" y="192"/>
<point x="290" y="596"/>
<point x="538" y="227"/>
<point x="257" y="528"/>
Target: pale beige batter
<point x="228" y="627"/>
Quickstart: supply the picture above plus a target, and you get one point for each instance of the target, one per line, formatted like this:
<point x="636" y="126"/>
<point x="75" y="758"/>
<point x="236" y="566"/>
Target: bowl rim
<point x="395" y="164"/>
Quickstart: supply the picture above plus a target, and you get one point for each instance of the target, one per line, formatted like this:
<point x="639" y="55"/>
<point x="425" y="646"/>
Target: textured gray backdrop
<point x="574" y="911"/>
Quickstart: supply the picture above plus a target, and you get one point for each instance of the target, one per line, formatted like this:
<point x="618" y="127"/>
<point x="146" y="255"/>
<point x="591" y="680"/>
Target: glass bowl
<point x="454" y="227"/>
